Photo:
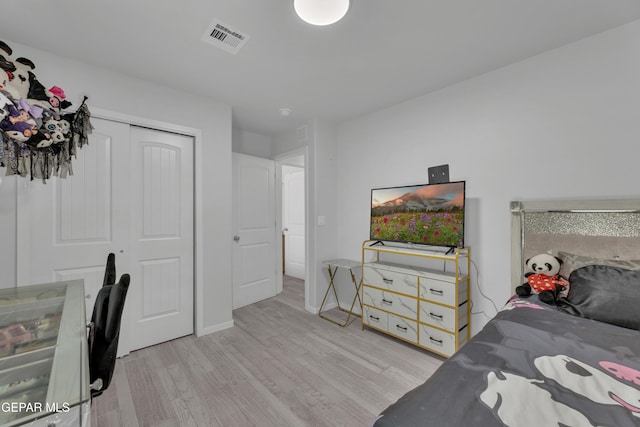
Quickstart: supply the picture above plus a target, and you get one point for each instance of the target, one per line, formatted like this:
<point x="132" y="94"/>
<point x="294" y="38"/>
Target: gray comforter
<point x="532" y="365"/>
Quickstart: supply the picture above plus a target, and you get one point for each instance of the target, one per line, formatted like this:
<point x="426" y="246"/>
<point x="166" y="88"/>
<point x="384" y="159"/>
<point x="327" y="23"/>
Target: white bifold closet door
<point x="132" y="194"/>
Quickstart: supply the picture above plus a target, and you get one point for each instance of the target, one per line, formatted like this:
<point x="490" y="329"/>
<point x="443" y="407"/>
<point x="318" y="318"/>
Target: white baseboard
<point x="327" y="306"/>
<point x="215" y="328"/>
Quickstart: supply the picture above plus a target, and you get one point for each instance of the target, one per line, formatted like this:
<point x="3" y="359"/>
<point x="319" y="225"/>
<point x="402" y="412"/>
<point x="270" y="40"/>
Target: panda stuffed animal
<point x="543" y="278"/>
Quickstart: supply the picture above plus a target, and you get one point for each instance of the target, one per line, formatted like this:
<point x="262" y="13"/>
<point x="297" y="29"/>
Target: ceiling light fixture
<point x="321" y="12"/>
<point x="285" y="112"/>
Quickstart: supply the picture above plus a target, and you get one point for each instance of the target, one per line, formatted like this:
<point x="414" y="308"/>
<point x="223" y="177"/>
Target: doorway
<point x="293" y="221"/>
<point x="292" y="218"/>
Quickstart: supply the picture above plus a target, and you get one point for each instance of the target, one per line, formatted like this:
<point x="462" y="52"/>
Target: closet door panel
<point x="83" y="202"/>
<point x="162" y="236"/>
<point x="68" y="226"/>
<point x="160" y="216"/>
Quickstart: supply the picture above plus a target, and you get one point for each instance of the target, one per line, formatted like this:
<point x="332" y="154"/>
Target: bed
<point x="574" y="364"/>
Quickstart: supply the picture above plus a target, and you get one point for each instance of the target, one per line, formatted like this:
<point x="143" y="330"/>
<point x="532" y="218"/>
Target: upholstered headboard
<point x="606" y="229"/>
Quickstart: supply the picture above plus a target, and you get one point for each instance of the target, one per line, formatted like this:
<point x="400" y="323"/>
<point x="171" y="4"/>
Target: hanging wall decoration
<point x="39" y="134"/>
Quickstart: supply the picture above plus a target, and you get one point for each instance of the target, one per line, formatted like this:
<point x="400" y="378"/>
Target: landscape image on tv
<point x="430" y="214"/>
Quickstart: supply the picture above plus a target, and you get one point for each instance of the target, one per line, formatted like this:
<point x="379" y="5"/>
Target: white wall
<point x="119" y="93"/>
<point x="564" y="124"/>
<point x="325" y="202"/>
<point x="319" y="138"/>
<point x="251" y="143"/>
<point x="8" y="222"/>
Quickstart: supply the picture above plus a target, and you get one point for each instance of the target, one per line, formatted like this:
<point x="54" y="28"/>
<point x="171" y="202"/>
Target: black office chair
<point x="103" y="345"/>
<point x="109" y="279"/>
<point x="110" y="270"/>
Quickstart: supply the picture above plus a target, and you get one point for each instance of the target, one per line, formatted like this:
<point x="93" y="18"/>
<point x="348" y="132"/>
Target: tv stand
<point x="377" y="242"/>
<point x="408" y="294"/>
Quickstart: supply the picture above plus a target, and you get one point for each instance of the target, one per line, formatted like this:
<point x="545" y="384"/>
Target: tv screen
<point x="427" y="214"/>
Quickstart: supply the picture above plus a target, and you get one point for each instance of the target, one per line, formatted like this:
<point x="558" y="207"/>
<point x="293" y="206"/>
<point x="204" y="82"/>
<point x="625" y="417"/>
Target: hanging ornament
<point x="39" y="134"/>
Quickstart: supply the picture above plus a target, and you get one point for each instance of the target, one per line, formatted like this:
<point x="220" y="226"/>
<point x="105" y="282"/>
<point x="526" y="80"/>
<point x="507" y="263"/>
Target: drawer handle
<point x="436" y="316"/>
<point x="386" y="301"/>
<point x="435" y="341"/>
<point x="387" y="281"/>
<point x="402" y="328"/>
<point x="436" y="292"/>
<point x="374" y="318"/>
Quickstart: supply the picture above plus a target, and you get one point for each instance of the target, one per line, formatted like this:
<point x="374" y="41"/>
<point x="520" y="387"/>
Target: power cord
<point x="479" y="289"/>
<point x="481" y="293"/>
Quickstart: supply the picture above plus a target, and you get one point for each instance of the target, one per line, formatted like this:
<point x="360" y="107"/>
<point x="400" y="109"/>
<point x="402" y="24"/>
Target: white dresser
<point x="419" y="296"/>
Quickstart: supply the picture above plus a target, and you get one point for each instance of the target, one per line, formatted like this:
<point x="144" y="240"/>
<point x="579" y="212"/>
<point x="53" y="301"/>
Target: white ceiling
<point x="382" y="53"/>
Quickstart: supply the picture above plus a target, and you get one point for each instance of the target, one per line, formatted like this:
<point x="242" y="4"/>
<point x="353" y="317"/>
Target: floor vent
<point x="224" y="37"/>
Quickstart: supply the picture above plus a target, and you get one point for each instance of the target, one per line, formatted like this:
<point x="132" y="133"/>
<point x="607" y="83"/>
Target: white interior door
<point x="161" y="236"/>
<point x="254" y="246"/>
<point x="132" y="194"/>
<point x="293" y="221"/>
<point x="73" y="223"/>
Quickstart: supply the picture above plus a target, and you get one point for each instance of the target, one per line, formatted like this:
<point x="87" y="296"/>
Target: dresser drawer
<point x="403" y="328"/>
<point x="376" y="318"/>
<point x="440" y="316"/>
<point x="391" y="302"/>
<point x="442" y="292"/>
<point x="390" y="280"/>
<point x="436" y="340"/>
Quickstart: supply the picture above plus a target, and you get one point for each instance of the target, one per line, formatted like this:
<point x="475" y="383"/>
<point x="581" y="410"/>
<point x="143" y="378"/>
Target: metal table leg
<point x="331" y="287"/>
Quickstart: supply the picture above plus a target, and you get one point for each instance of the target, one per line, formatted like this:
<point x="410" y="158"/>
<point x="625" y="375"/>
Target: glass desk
<point x="44" y="364"/>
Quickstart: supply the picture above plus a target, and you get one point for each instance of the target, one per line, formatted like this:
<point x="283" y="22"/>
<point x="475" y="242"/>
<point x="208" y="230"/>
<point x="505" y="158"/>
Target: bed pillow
<point x="571" y="262"/>
<point x="607" y="294"/>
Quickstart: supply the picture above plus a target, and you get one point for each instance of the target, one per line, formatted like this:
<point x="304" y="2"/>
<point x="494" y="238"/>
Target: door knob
<point x="236" y="238"/>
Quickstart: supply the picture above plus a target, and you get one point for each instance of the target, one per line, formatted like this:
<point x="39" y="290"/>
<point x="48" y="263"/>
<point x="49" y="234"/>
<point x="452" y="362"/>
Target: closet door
<point x="161" y="236"/>
<point x="67" y="227"/>
<point x="131" y="194"/>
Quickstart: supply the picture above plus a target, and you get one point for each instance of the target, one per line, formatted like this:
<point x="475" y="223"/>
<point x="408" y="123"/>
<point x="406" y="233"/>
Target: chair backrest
<point x="107" y="316"/>
<point x="116" y="306"/>
<point x="110" y="270"/>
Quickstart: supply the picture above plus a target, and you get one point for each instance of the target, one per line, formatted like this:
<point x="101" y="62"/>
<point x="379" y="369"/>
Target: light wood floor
<point x="279" y="366"/>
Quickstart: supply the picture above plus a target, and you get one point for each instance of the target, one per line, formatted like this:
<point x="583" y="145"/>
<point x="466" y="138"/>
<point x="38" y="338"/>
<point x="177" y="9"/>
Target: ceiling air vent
<point x="224" y="37"/>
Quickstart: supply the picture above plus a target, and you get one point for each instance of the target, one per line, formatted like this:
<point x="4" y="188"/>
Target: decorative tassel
<point x="81" y="126"/>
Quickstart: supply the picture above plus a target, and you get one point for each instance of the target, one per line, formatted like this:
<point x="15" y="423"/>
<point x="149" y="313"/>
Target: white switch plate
<point x="322" y="220"/>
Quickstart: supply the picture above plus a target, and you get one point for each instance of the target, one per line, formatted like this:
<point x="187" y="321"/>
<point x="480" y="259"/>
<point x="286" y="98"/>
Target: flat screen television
<point x="427" y="214"/>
